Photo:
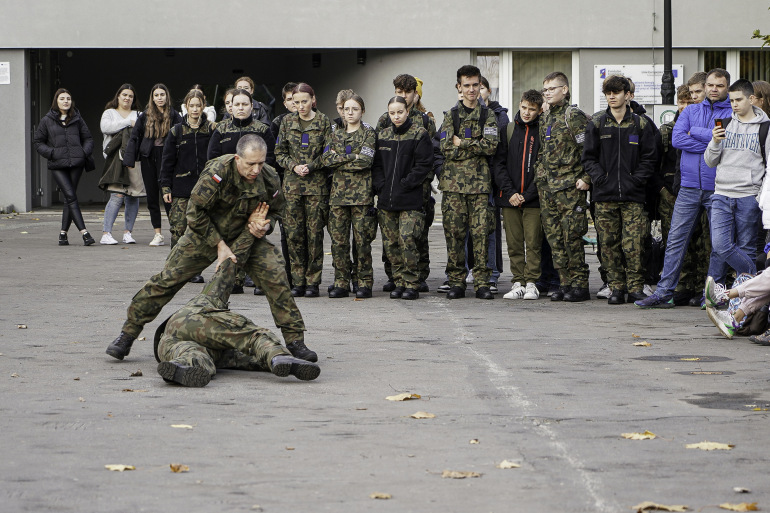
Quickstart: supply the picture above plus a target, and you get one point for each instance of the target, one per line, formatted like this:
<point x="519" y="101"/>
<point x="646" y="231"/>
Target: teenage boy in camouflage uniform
<point x="562" y="184"/>
<point x="218" y="227"/>
<point x="468" y="136"/>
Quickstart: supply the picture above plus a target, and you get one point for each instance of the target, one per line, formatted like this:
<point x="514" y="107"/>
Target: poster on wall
<point x="646" y="78"/>
<point x="5" y="73"/>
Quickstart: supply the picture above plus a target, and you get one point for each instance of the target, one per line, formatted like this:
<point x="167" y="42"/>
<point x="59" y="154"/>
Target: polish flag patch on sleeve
<point x="216" y="178"/>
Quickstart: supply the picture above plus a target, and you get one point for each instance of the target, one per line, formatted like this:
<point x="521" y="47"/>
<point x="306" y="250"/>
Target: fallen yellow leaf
<point x="380" y="495"/>
<point x="508" y="464"/>
<point x="21" y="326"/>
<point x="474" y="441"/>
<point x="81" y="399"/>
<point x="759" y="409"/>
<point x="742" y="506"/>
<point x="639" y="436"/>
<point x="181" y="426"/>
<point x="143" y="338"/>
<point x="14" y="375"/>
<point x="651" y="506"/>
<point x="135" y="374"/>
<point x="643" y="344"/>
<point x="635" y="335"/>
<point x="178" y="467"/>
<point x="740" y="489"/>
<point x="406" y="396"/>
<point x="453" y="474"/>
<point x="690" y="359"/>
<point x="710" y="446"/>
<point x="120" y="468"/>
<point x="290" y="448"/>
<point x="422" y="415"/>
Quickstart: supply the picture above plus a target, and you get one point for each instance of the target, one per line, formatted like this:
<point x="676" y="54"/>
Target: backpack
<point x="456" y="118"/>
<point x="764" y="127"/>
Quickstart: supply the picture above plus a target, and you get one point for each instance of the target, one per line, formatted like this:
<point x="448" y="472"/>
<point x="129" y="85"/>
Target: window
<point x="529" y="68"/>
<point x="754" y="65"/>
<point x="489" y="64"/>
<point x="714" y="59"/>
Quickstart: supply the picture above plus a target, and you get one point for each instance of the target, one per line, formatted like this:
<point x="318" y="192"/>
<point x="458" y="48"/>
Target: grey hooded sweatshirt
<point x="738" y="158"/>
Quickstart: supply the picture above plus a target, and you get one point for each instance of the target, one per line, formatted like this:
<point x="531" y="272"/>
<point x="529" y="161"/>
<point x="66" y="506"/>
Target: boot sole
<point x="302" y="371"/>
<point x="190" y="377"/>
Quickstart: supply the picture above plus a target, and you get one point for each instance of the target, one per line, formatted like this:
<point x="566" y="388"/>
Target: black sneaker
<point x="577" y="295"/>
<point x="364" y="293"/>
<point x="237" y="289"/>
<point x="389" y="286"/>
<point x="88" y="240"/>
<point x="121" y="346"/>
<point x="423" y="287"/>
<point x="284" y="365"/>
<point x="444" y="287"/>
<point x="484" y="293"/>
<point x="197" y="279"/>
<point x="617" y="297"/>
<point x="63" y="241"/>
<point x="455" y="293"/>
<point x="184" y="375"/>
<point x="558" y="295"/>
<point x="298" y="349"/>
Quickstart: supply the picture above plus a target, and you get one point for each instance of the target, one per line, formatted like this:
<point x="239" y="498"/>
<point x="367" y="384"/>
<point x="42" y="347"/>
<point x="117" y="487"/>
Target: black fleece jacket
<point x="403" y="159"/>
<point x="184" y="157"/>
<point x="513" y="166"/>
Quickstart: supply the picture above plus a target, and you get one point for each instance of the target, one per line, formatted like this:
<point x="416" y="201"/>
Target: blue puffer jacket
<point x="692" y="134"/>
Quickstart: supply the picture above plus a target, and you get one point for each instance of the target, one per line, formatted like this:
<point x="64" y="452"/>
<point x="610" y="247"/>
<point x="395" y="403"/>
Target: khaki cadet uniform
<point x="562" y="206"/>
<point x="307" y="197"/>
<point x="350" y="156"/>
<point x="466" y="184"/>
<point x="219" y="208"/>
<point x="204" y="333"/>
<point x="423" y="266"/>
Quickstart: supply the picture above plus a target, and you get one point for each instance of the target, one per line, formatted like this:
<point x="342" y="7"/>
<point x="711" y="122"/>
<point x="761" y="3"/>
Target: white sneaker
<point x="157" y="240"/>
<point x="604" y="292"/>
<point x="648" y="290"/>
<point x="531" y="291"/>
<point x="128" y="239"/>
<point x="107" y="238"/>
<point x="517" y="292"/>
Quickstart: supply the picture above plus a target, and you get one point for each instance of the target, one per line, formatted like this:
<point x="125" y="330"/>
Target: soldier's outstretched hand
<point x="223" y="253"/>
<point x="258" y="222"/>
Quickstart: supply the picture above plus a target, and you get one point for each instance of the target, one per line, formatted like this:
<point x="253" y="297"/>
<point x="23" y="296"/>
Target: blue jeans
<point x="688" y="206"/>
<point x="734" y="232"/>
<point x="113" y="207"/>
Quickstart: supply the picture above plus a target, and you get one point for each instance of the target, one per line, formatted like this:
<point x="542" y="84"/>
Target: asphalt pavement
<point x="550" y="387"/>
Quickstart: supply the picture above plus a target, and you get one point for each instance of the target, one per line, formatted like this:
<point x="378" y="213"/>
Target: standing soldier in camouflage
<point x="301" y="140"/>
<point x="410" y="89"/>
<point x="468" y="136"/>
<point x="404" y="156"/>
<point x="562" y="184"/>
<point x="620" y="155"/>
<point x="227" y="193"/>
<point x="204" y="335"/>
<point x="349" y="154"/>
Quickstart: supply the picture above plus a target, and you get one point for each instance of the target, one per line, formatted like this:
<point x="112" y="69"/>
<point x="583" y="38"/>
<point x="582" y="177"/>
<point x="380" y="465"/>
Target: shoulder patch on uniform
<point x="490" y="130"/>
<point x="579" y="138"/>
<point x="367" y="125"/>
<point x="369" y="152"/>
<point x="216" y="178"/>
<point x="276" y="192"/>
<point x="442" y="135"/>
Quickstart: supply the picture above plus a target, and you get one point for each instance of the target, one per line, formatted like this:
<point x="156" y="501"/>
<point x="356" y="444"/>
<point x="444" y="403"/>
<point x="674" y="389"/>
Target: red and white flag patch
<point x="216" y="178"/>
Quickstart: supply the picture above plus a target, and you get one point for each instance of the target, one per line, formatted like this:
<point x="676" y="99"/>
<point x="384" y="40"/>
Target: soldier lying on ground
<point x="204" y="336"/>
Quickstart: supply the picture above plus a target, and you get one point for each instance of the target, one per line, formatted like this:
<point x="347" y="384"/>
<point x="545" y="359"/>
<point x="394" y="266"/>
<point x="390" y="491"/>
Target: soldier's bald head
<point x="250" y="143"/>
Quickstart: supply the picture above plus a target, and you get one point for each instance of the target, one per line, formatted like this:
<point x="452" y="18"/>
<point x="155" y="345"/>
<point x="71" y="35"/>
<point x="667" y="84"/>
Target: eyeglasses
<point x="551" y="89"/>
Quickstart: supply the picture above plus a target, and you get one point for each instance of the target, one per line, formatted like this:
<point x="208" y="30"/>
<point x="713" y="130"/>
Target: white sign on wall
<point x="646" y="78"/>
<point x="5" y="72"/>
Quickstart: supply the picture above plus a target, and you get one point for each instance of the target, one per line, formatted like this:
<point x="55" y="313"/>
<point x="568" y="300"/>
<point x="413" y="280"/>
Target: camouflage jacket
<point x="227" y="134"/>
<point x="349" y="156"/>
<point x="295" y="147"/>
<point x="562" y="132"/>
<point x="466" y="167"/>
<point x="418" y="117"/>
<point x="222" y="201"/>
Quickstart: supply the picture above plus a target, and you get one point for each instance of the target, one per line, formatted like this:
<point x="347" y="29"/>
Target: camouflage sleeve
<point x="327" y="133"/>
<point x="267" y="135"/>
<point x="431" y="127"/>
<point x="331" y="158"/>
<point x="276" y="201"/>
<point x="282" y="147"/>
<point x="365" y="154"/>
<point x="487" y="145"/>
<point x="578" y="121"/>
<point x="382" y="123"/>
<point x="446" y="133"/>
<point x="203" y="196"/>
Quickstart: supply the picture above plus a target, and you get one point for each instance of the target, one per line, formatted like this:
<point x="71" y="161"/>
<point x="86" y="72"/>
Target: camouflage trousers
<point x="400" y="232"/>
<point x="463" y="213"/>
<point x="177" y="218"/>
<point x="188" y="258"/>
<point x="304" y="219"/>
<point x="565" y="221"/>
<point x="423" y="245"/>
<point x="362" y="220"/>
<point x="622" y="226"/>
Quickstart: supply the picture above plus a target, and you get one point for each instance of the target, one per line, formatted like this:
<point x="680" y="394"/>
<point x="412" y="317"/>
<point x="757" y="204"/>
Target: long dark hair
<point x="113" y="104"/>
<point x="55" y="103"/>
<point x="158" y="122"/>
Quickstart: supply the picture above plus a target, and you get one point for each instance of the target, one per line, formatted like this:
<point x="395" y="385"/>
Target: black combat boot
<point x="618" y="297"/>
<point x="484" y="293"/>
<point x="389" y="286"/>
<point x="284" y="365"/>
<point x="312" y="291"/>
<point x="298" y="291"/>
<point x="298" y="349"/>
<point x="577" y="295"/>
<point x="197" y="279"/>
<point x="363" y="293"/>
<point x="558" y="295"/>
<point x="184" y="375"/>
<point x="455" y="293"/>
<point x="410" y="294"/>
<point x="121" y="346"/>
<point x="258" y="291"/>
<point x="337" y="292"/>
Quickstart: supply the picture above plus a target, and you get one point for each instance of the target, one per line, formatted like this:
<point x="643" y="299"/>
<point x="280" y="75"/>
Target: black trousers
<point x="151" y="178"/>
<point x="67" y="179"/>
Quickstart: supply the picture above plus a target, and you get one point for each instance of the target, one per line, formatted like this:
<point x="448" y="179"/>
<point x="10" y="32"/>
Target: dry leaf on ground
<point x="508" y="464"/>
<point x="81" y="399"/>
<point x="178" y="467"/>
<point x="422" y="415"/>
<point x="651" y="506"/>
<point x="474" y="441"/>
<point x="742" y="506"/>
<point x="635" y="335"/>
<point x="710" y="446"/>
<point x="289" y="448"/>
<point x="134" y="390"/>
<point x="380" y="495"/>
<point x="406" y="396"/>
<point x="740" y="489"/>
<point x="21" y="326"/>
<point x="643" y="344"/>
<point x="639" y="436"/>
<point x="690" y="359"/>
<point x="181" y="426"/>
<point x="454" y="474"/>
<point x="141" y="339"/>
<point x="136" y="374"/>
<point x="120" y="468"/>
<point x="14" y="375"/>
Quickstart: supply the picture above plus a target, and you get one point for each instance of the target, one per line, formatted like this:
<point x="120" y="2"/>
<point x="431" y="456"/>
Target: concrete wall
<point x="398" y="23"/>
<point x="15" y="134"/>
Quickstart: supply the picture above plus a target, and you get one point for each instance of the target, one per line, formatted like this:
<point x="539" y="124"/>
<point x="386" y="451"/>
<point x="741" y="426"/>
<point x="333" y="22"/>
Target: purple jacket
<point x="698" y="120"/>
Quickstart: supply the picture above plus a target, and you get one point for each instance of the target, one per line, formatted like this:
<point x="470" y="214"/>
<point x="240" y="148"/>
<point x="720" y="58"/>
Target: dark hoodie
<point x="64" y="143"/>
<point x="513" y="165"/>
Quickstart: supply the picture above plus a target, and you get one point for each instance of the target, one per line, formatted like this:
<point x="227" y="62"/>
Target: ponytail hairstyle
<point x="358" y="100"/>
<point x="113" y="104"/>
<point x="195" y="93"/>
<point x="302" y="87"/>
<point x="55" y="103"/>
<point x="398" y="99"/>
<point x="158" y="121"/>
